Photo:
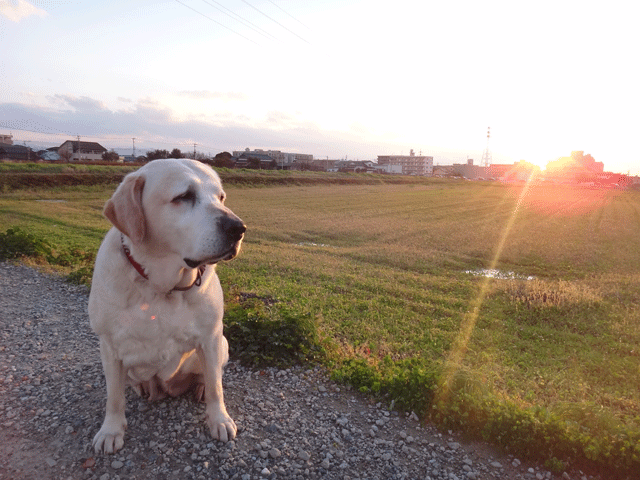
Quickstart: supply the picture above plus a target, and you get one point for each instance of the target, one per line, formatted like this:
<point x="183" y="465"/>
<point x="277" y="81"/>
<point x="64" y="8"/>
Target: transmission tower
<point x="486" y="155"/>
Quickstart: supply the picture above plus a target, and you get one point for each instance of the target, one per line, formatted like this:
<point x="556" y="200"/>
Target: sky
<point x="334" y="78"/>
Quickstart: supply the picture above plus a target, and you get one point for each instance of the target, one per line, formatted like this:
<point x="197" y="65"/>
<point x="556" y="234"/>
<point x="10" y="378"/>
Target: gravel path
<point x="293" y="424"/>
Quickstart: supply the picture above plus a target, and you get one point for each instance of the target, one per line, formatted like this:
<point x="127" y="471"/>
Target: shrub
<point x="15" y="243"/>
<point x="261" y="335"/>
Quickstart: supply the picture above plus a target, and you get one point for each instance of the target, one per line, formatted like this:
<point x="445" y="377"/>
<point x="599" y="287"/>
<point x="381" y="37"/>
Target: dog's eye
<point x="222" y="197"/>
<point x="188" y="196"/>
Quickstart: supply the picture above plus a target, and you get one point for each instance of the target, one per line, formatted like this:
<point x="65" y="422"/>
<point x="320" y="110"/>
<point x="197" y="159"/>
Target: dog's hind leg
<point x="152" y="389"/>
<point x="189" y="375"/>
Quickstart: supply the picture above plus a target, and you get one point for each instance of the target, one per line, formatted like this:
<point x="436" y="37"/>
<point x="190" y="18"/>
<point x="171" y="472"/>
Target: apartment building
<point x="411" y="164"/>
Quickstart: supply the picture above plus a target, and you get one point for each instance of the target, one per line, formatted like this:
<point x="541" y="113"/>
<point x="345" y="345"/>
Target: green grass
<point x="377" y="273"/>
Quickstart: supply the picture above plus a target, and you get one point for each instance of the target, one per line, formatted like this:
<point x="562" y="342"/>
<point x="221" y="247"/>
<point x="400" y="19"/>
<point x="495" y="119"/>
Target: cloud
<point x="208" y="95"/>
<point x="81" y="104"/>
<point x="155" y="126"/>
<point x="16" y="10"/>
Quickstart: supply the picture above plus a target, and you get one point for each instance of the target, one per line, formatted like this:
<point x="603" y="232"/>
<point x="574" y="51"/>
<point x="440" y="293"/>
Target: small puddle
<point x="311" y="244"/>
<point x="499" y="274"/>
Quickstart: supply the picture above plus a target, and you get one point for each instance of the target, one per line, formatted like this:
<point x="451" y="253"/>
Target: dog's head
<point x="175" y="207"/>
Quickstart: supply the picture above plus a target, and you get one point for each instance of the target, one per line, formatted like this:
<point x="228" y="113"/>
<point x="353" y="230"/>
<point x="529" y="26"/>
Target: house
<point x="325" y="165"/>
<point x="8" y="139"/>
<point x="16" y="152"/>
<point x="75" y="150"/>
<point x="49" y="155"/>
<point x="354" y="166"/>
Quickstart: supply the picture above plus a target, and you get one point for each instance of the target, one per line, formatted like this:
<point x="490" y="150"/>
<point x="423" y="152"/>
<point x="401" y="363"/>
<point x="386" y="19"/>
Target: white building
<point x="411" y="164"/>
<point x="73" y="151"/>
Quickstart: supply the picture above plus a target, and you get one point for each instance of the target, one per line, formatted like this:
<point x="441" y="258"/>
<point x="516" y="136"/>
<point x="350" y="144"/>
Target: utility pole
<point x="78" y="148"/>
<point x="28" y="149"/>
<point x="486" y="155"/>
<point x="194" y="151"/>
<point x="134" y="148"/>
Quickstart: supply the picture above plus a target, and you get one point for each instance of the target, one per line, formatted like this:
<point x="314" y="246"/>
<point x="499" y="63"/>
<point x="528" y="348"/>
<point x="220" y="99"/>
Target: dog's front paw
<point x="222" y="426"/>
<point x="110" y="438"/>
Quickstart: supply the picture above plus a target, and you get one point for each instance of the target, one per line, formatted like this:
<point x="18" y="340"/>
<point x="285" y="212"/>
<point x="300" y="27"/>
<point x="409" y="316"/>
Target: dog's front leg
<point x="213" y="356"/>
<point x="110" y="438"/>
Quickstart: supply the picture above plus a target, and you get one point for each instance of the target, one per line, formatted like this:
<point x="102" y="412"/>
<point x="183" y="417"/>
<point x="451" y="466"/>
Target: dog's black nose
<point x="233" y="228"/>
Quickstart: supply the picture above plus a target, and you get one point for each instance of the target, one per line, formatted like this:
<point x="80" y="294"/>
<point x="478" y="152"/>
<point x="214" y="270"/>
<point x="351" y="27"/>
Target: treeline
<point x="220" y="160"/>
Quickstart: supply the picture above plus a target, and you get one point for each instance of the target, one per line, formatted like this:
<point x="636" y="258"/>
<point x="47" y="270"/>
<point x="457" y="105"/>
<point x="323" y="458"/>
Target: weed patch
<point x="15" y="243"/>
<point x="262" y="334"/>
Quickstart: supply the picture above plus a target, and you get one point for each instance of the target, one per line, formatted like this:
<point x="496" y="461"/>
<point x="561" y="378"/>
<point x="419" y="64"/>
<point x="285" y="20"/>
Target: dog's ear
<point x="124" y="208"/>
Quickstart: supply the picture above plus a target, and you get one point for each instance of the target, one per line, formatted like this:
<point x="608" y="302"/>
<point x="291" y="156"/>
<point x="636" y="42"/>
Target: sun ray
<point x="453" y="363"/>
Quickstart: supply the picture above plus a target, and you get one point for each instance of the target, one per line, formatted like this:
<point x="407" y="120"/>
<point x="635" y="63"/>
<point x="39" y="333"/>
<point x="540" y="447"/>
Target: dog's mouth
<point x="228" y="255"/>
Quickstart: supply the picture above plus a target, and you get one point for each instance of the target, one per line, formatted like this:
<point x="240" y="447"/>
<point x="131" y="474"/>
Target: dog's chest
<point x="154" y="335"/>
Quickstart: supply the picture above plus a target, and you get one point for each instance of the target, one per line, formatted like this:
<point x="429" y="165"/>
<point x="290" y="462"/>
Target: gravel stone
<point x="293" y="423"/>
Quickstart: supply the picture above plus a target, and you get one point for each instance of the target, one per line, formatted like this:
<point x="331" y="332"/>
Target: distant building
<point x="575" y="168"/>
<point x="390" y="168"/>
<point x="284" y="160"/>
<point x="411" y="164"/>
<point x="9" y="151"/>
<point x="6" y="139"/>
<point x="443" y="171"/>
<point x="324" y="165"/>
<point x="517" y="172"/>
<point x="74" y="151"/>
<point x="249" y="159"/>
<point x="354" y="166"/>
<point x="469" y="170"/>
<point x="512" y="172"/>
<point x="49" y="155"/>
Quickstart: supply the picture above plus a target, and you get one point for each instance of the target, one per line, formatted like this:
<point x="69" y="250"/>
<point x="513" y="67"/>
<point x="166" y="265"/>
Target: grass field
<point x="547" y="366"/>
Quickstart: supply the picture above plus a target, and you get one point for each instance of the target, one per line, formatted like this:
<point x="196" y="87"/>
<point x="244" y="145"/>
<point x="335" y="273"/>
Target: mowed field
<point x="389" y="276"/>
<point x="383" y="270"/>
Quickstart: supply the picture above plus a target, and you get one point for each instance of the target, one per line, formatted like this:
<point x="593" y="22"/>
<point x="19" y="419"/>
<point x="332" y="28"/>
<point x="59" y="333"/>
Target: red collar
<point x="140" y="269"/>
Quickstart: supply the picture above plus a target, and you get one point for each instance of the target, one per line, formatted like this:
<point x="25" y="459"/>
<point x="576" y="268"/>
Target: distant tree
<point x="253" y="163"/>
<point x="110" y="156"/>
<point x="202" y="157"/>
<point x="155" y="154"/>
<point x="176" y="153"/>
<point x="65" y="154"/>
<point x="223" y="160"/>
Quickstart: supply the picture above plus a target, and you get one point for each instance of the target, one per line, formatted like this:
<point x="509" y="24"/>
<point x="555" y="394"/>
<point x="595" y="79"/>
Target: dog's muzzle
<point x="232" y="230"/>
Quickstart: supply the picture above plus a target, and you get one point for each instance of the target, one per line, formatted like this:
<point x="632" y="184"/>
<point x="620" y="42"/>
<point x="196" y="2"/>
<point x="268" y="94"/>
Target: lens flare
<point x="453" y="363"/>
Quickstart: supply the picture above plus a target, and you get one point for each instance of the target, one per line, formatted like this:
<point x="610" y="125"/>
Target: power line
<point x="215" y="21"/>
<point x="278" y="6"/>
<point x="274" y="20"/>
<point x="240" y="19"/>
<point x="181" y="143"/>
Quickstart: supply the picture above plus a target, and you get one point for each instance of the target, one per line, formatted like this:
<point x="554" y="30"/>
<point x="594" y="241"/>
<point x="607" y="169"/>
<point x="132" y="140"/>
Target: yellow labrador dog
<point x="156" y="301"/>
